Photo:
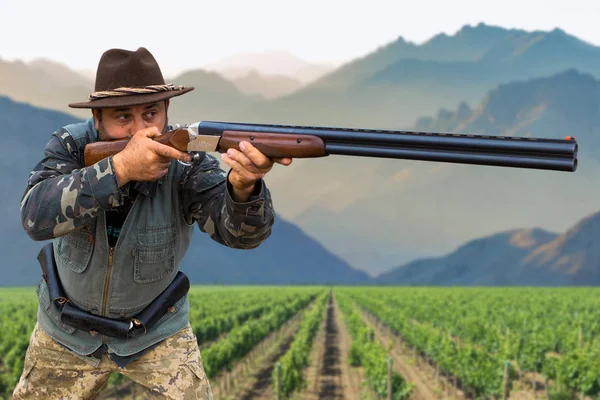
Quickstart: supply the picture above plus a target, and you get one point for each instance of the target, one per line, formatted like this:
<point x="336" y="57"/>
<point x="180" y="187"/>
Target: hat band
<point x="126" y="91"/>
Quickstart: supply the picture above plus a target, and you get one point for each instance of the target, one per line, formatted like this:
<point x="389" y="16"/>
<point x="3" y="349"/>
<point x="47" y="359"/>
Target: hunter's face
<point x="123" y="123"/>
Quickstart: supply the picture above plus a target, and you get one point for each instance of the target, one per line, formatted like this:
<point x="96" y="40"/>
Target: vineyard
<point x="370" y="342"/>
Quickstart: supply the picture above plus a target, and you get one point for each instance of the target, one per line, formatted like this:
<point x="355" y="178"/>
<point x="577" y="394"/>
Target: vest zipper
<point x="106" y="281"/>
<point x="110" y="262"/>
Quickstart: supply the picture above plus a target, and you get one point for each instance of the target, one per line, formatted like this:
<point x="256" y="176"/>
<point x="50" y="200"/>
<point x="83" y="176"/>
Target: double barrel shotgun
<point x="311" y="142"/>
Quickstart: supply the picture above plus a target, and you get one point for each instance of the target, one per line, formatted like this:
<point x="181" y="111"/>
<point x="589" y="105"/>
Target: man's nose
<point x="138" y="124"/>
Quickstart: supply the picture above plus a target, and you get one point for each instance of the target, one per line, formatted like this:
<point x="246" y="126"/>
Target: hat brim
<point x="131" y="100"/>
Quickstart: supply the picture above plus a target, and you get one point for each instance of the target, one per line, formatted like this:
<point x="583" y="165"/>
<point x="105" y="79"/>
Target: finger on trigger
<point x="168" y="151"/>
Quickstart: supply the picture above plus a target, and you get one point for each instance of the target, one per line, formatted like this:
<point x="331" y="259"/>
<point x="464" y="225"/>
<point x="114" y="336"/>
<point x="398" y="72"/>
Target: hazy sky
<point x="188" y="34"/>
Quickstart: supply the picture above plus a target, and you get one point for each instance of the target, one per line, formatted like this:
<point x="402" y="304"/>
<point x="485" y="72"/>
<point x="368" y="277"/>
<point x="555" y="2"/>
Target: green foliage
<point x="558" y="394"/>
<point x="470" y="332"/>
<point x="354" y="354"/>
<point x="247" y="314"/>
<point x="5" y="386"/>
<point x="296" y="358"/>
<point x="218" y="311"/>
<point x="577" y="371"/>
<point x="365" y="351"/>
<point x="242" y="338"/>
<point x="18" y="310"/>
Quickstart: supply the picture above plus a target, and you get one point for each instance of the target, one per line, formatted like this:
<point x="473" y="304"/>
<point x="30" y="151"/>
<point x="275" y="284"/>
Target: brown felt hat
<point x="127" y="78"/>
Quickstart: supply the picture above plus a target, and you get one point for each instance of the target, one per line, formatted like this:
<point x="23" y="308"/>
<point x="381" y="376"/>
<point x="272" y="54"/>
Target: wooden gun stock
<point x="97" y="151"/>
<point x="94" y="152"/>
<point x="277" y="145"/>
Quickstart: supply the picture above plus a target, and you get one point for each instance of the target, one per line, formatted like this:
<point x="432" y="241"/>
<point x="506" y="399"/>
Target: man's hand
<point x="144" y="159"/>
<point x="247" y="167"/>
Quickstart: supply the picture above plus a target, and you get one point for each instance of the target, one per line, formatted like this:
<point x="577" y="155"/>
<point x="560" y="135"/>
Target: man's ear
<point x="96" y="116"/>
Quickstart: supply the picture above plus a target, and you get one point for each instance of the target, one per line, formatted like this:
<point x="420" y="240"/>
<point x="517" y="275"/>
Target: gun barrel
<point x="426" y="140"/>
<point x="454" y="156"/>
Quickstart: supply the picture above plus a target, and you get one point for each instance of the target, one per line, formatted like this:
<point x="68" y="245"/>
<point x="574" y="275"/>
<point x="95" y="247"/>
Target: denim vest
<point x="120" y="282"/>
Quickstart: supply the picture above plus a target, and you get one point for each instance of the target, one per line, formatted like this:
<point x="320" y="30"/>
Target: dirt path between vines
<point x="330" y="382"/>
<point x="329" y="376"/>
<point x="353" y="378"/>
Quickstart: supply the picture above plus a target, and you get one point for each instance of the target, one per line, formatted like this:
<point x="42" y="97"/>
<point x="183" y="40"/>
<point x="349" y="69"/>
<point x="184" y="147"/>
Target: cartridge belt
<point x="134" y="326"/>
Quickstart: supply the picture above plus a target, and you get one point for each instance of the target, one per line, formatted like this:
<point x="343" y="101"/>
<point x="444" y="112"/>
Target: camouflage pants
<point x="173" y="370"/>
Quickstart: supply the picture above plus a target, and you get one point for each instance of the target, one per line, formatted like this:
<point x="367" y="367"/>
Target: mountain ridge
<point x="398" y="82"/>
<point x="528" y="256"/>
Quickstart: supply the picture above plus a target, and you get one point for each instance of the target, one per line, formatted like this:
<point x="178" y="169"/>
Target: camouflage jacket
<point x="67" y="203"/>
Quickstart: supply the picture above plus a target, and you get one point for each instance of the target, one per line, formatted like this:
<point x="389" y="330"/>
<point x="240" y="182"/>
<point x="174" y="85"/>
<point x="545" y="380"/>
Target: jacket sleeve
<point x="61" y="195"/>
<point x="207" y="199"/>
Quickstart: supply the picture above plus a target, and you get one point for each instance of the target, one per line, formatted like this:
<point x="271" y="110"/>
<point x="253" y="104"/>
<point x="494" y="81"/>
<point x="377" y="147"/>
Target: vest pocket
<point x="154" y="254"/>
<point x="75" y="249"/>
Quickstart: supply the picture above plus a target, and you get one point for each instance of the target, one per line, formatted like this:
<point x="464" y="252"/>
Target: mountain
<point x="289" y="256"/>
<point x="312" y="72"/>
<point x="51" y="85"/>
<point x="567" y="103"/>
<point x="468" y="44"/>
<point x="391" y="86"/>
<point x="388" y="88"/>
<point x="61" y="73"/>
<point x="43" y="87"/>
<point x="26" y="130"/>
<point x="267" y="86"/>
<point x="574" y="255"/>
<point x="532" y="53"/>
<point x="379" y="213"/>
<point x="213" y="98"/>
<point x="88" y="74"/>
<point x="490" y="259"/>
<point x="271" y="62"/>
<point x="517" y="257"/>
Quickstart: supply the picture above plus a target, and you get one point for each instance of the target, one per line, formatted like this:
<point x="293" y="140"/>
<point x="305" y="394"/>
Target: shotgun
<point x="311" y="142"/>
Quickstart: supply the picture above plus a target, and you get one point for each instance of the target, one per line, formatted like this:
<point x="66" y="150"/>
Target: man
<point x="120" y="229"/>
